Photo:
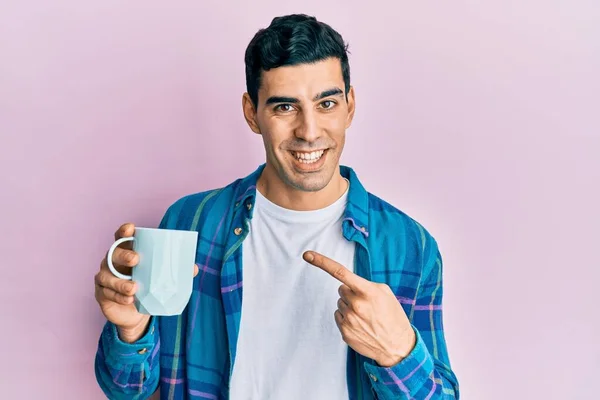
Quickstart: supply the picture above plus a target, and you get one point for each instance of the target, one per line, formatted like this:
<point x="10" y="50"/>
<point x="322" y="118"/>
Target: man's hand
<point x="115" y="295"/>
<point x="369" y="317"/>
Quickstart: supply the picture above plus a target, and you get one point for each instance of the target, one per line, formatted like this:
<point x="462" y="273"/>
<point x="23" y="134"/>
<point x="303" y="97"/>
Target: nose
<point x="308" y="128"/>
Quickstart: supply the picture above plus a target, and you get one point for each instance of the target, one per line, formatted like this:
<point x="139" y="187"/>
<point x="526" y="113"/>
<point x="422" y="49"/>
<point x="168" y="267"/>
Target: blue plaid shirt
<point x="191" y="356"/>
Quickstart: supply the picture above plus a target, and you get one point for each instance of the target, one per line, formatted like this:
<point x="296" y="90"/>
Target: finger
<point x="347" y="294"/>
<point x="356" y="303"/>
<point x="106" y="279"/>
<point x="106" y="294"/>
<point x="125" y="230"/>
<point x="196" y="269"/>
<point x="120" y="268"/>
<point x="339" y="319"/>
<point x="336" y="270"/>
<point x="343" y="307"/>
<point x="125" y="258"/>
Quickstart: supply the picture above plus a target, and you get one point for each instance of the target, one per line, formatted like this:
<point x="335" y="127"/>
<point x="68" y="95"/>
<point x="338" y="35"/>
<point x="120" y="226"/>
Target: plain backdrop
<point x="478" y="119"/>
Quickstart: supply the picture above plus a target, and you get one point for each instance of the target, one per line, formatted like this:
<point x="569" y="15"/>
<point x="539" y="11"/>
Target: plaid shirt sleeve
<point x="131" y="371"/>
<point x="128" y="370"/>
<point x="426" y="372"/>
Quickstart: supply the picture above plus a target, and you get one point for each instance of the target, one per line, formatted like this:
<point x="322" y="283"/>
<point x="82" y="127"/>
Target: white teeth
<point x="308" y="158"/>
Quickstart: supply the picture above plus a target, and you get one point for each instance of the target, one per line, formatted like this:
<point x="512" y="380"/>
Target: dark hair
<point x="291" y="40"/>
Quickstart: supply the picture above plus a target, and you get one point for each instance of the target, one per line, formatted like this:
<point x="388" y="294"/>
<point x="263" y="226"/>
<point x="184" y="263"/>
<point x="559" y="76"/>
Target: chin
<point x="310" y="186"/>
<point x="312" y="181"/>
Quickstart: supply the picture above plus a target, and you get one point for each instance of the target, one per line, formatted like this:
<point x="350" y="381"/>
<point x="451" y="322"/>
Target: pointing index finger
<point x="336" y="270"/>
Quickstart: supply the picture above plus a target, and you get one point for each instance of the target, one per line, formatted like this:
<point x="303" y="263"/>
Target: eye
<point x="285" y="108"/>
<point x="328" y="104"/>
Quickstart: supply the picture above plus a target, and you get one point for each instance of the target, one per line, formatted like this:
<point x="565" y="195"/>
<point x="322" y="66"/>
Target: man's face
<point x="302" y="115"/>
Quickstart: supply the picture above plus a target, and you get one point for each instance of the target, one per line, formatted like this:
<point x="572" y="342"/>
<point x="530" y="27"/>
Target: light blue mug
<point x="165" y="271"/>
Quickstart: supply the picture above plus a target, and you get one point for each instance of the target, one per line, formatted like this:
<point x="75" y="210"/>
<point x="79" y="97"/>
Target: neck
<point x="286" y="196"/>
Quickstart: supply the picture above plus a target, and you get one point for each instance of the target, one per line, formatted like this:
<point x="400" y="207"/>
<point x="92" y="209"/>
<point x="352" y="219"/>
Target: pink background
<point x="486" y="112"/>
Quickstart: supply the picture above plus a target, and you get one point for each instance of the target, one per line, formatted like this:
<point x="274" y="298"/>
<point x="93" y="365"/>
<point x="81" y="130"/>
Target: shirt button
<point x="237" y="231"/>
<point x="249" y="206"/>
<point x="152" y="330"/>
<point x="237" y="204"/>
<point x="373" y="377"/>
<point x="362" y="228"/>
<point x="142" y="351"/>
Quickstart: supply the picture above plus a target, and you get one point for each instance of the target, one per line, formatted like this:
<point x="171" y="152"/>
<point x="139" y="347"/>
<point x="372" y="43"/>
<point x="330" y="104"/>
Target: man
<point x="342" y="292"/>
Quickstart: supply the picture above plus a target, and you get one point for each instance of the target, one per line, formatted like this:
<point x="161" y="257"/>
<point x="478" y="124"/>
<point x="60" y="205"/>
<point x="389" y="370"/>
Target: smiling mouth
<point x="308" y="157"/>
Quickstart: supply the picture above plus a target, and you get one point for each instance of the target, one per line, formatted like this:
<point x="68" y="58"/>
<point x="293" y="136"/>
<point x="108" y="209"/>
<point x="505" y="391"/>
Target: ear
<point x="250" y="113"/>
<point x="351" y="107"/>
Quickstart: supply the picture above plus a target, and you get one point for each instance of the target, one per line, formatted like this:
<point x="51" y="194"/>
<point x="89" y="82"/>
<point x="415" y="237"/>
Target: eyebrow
<point x="292" y="100"/>
<point x="329" y="92"/>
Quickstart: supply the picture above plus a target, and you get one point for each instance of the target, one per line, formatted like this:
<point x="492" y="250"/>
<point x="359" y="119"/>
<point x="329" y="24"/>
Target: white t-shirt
<point x="289" y="346"/>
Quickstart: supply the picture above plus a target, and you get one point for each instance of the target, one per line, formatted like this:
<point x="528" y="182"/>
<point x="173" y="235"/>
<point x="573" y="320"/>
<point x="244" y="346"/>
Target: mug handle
<point x="109" y="258"/>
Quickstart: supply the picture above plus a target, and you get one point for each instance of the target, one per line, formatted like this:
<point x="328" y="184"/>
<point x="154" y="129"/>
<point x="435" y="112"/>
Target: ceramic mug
<point x="165" y="271"/>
